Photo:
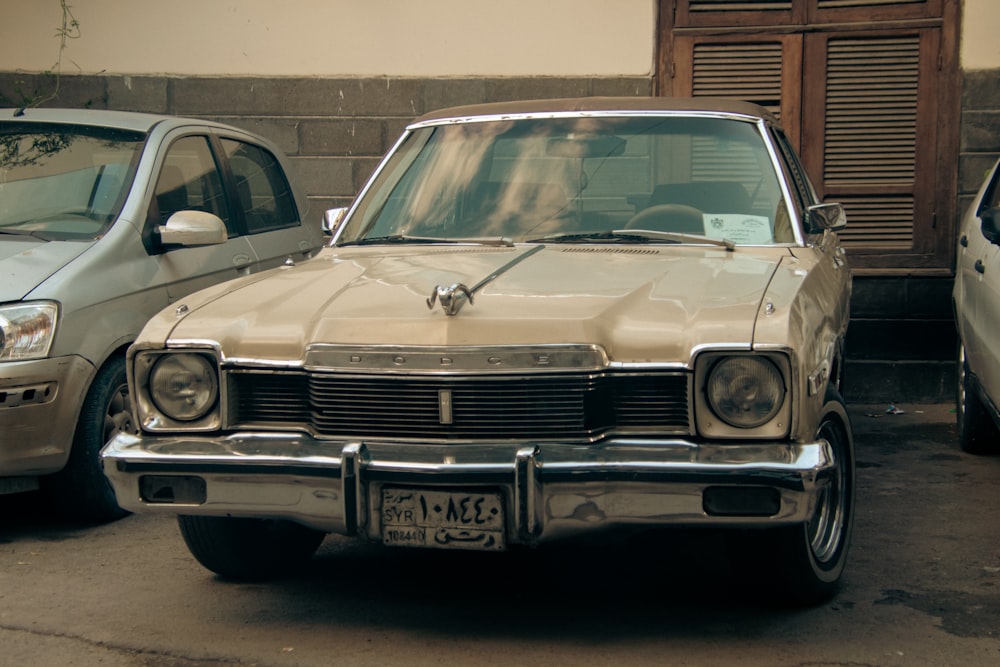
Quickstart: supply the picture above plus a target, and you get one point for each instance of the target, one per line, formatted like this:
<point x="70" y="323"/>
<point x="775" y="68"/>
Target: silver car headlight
<point x="183" y="386"/>
<point x="27" y="330"/>
<point x="746" y="391"/>
<point x="742" y="394"/>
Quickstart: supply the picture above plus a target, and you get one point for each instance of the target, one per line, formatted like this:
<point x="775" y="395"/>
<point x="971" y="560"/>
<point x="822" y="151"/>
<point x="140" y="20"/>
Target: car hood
<point x="641" y="304"/>
<point x="26" y="262"/>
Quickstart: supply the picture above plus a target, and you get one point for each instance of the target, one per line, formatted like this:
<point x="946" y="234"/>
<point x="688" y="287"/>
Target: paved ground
<point x="922" y="588"/>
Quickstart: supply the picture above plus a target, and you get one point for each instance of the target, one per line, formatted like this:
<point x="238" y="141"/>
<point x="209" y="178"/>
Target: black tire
<point x="977" y="433"/>
<point x="802" y="565"/>
<point x="248" y="549"/>
<point x="80" y="491"/>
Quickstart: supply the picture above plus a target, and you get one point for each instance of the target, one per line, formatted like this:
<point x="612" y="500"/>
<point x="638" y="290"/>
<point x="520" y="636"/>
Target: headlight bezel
<point x="710" y="423"/>
<point x="27" y="330"/>
<point x="155" y="413"/>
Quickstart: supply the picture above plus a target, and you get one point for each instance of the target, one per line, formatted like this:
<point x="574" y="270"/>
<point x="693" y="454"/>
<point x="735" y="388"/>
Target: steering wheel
<point x="669" y="218"/>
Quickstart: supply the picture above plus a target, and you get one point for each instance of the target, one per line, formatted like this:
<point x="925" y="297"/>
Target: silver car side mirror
<point x="193" y="228"/>
<point x="331" y="220"/>
<point x="824" y="217"/>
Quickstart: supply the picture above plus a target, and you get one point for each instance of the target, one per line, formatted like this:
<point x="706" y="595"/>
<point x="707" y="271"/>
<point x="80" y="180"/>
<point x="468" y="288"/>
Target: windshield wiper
<point x="632" y="236"/>
<point x="678" y="237"/>
<point x="621" y="236"/>
<point x="405" y="238"/>
<point x="41" y="236"/>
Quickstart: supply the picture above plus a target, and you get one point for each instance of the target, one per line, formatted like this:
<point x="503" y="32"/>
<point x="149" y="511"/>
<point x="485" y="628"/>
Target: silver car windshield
<point x="595" y="179"/>
<point x="64" y="183"/>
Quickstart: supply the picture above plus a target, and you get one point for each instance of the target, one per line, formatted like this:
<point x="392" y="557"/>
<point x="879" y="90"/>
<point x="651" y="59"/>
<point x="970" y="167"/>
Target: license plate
<point x="442" y="519"/>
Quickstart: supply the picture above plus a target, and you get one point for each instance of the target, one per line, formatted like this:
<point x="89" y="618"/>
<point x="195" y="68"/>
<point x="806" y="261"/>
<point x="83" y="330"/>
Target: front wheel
<point x="977" y="434"/>
<point x="803" y="564"/>
<point x="80" y="490"/>
<point x="248" y="549"/>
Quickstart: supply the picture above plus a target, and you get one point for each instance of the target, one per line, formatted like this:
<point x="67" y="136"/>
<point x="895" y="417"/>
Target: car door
<point x="979" y="267"/>
<point x="190" y="178"/>
<point x="266" y="204"/>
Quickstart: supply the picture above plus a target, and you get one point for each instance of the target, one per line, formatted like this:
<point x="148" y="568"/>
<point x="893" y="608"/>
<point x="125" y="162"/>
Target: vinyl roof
<point x="600" y="104"/>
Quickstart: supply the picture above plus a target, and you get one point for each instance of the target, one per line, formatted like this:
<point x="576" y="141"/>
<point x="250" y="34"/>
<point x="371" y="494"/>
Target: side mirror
<point x="823" y="217"/>
<point x="331" y="220"/>
<point x="989" y="219"/>
<point x="193" y="228"/>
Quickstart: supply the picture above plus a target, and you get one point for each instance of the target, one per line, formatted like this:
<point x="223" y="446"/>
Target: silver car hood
<point x="25" y="263"/>
<point x="640" y="304"/>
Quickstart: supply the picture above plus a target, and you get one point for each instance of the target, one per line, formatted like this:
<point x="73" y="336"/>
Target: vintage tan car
<point x="538" y="321"/>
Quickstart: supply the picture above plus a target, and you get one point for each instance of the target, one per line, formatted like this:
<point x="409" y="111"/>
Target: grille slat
<point x="559" y="406"/>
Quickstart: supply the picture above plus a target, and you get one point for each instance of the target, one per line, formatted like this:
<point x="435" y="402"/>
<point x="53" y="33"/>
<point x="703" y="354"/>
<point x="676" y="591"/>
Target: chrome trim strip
<point x="600" y="113"/>
<point x="454" y="360"/>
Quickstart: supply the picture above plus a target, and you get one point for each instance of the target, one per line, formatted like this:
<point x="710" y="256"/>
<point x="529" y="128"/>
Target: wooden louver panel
<point x="878" y="222"/>
<point x="745" y="71"/>
<point x="870" y="136"/>
<point x="738" y="5"/>
<point x="840" y="4"/>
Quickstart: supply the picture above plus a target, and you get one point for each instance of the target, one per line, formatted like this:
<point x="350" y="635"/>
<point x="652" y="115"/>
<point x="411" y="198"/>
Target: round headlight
<point x="745" y="392"/>
<point x="183" y="386"/>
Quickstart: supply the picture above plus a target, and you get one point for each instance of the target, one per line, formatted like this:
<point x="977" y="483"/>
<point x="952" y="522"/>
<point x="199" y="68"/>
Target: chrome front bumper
<point x="549" y="490"/>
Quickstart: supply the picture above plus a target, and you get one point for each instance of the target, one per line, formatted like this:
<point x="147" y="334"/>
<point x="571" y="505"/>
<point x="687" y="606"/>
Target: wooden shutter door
<point x="870" y="138"/>
<point x="756" y="69"/>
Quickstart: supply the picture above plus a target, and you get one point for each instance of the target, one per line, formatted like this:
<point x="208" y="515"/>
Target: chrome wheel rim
<point x="118" y="416"/>
<point x="826" y="529"/>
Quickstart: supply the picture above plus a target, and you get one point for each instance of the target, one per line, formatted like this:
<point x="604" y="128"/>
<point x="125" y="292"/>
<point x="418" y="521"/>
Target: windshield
<point x="577" y="180"/>
<point x="63" y="182"/>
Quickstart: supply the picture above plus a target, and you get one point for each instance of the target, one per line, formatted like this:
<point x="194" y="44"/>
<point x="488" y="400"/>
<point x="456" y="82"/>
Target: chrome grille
<point x="558" y="406"/>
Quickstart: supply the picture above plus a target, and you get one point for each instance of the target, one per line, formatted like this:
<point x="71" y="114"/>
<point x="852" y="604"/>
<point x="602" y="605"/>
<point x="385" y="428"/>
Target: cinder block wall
<point x="901" y="345"/>
<point x="334" y="130"/>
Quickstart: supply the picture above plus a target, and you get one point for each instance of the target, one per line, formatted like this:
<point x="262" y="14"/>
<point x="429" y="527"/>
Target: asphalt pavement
<point x="921" y="588"/>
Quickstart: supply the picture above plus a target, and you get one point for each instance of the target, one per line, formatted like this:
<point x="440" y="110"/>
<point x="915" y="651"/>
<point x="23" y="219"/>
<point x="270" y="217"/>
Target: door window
<point x="262" y="190"/>
<point x="189" y="180"/>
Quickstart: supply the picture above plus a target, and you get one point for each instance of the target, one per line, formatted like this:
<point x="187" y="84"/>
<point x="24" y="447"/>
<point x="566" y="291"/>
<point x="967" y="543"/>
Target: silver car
<point x="106" y="218"/>
<point x="977" y="315"/>
<point x="540" y="321"/>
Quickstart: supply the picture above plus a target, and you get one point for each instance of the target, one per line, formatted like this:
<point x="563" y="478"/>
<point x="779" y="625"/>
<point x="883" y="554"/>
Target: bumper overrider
<point x="477" y="495"/>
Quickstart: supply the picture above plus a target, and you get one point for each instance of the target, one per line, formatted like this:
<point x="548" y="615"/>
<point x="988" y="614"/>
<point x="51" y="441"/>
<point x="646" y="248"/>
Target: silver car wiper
<point x="632" y="236"/>
<point x="625" y="236"/>
<point x="406" y="238"/>
<point x="678" y="237"/>
<point x="41" y="236"/>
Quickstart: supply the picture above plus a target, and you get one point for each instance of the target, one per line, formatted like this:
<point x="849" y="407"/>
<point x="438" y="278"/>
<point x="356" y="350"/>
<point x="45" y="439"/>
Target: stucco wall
<point x="980" y="47"/>
<point x="373" y="38"/>
<point x="398" y="38"/>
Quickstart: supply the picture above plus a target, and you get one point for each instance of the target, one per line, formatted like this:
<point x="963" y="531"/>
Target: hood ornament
<point x="452" y="298"/>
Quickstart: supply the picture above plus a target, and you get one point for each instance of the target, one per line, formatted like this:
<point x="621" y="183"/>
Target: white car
<point x="107" y="217"/>
<point x="977" y="314"/>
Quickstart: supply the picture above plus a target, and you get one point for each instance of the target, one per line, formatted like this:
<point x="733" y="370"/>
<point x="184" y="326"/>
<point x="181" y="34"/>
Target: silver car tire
<point x="977" y="434"/>
<point x="80" y="491"/>
<point x="802" y="565"/>
<point x="248" y="549"/>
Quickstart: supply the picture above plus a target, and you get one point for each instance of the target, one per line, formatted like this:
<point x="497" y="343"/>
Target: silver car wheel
<point x="826" y="529"/>
<point x="118" y="418"/>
